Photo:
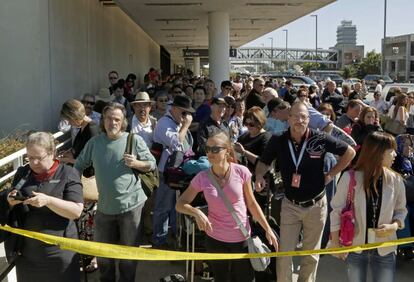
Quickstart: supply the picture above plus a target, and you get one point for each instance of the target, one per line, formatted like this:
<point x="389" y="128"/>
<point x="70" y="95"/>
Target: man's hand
<point x="130" y="160"/>
<point x="12" y="202"/>
<point x="187" y="120"/>
<point x="260" y="184"/>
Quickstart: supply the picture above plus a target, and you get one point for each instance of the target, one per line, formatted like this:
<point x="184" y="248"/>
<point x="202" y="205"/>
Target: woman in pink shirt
<point x="223" y="235"/>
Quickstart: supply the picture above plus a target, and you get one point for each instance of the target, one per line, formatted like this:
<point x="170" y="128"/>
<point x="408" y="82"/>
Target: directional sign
<point x="204" y="53"/>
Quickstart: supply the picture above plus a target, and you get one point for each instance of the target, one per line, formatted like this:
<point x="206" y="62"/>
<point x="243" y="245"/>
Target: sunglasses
<point x="184" y="113"/>
<point x="250" y="124"/>
<point x="113" y="77"/>
<point x="88" y="102"/>
<point x="163" y="100"/>
<point x="228" y="88"/>
<point x="214" y="149"/>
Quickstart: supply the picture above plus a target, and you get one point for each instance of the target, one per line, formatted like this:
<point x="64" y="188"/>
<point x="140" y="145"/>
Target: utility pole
<point x="287" y="60"/>
<point x="316" y="41"/>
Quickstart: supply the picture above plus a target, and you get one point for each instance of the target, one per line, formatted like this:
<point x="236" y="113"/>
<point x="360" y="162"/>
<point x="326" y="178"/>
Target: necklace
<point x="221" y="179"/>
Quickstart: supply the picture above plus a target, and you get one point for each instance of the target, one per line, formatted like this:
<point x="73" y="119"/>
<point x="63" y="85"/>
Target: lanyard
<point x="297" y="162"/>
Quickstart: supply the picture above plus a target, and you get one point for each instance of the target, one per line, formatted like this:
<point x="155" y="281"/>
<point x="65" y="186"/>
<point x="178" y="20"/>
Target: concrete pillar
<point x="397" y="69"/>
<point x="196" y="65"/>
<point x="407" y="58"/>
<point x="218" y="45"/>
<point x="387" y="67"/>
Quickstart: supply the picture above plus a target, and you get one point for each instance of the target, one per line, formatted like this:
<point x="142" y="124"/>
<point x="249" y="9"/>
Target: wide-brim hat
<point x="142" y="97"/>
<point x="183" y="102"/>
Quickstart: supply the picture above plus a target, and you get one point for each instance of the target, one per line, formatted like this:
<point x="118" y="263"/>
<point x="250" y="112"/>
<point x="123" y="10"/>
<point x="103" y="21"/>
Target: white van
<point x="389" y="89"/>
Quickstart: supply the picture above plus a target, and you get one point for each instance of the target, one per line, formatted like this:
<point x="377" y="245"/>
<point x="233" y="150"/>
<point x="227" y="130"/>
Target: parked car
<point x="389" y="90"/>
<point x="334" y="77"/>
<point x="371" y="78"/>
<point x="297" y="80"/>
<point x="351" y="81"/>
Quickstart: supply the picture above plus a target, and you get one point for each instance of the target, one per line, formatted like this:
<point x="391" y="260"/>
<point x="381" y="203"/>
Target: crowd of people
<point x="247" y="130"/>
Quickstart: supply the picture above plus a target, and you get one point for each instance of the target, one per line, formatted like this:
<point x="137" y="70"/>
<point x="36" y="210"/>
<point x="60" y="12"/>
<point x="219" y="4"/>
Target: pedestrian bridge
<point x="252" y="55"/>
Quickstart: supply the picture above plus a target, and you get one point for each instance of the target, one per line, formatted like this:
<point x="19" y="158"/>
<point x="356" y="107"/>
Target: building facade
<point x="398" y="57"/>
<point x="346" y="44"/>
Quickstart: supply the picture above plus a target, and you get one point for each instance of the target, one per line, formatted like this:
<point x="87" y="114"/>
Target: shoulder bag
<point x="150" y="180"/>
<point x="347" y="227"/>
<point x="255" y="245"/>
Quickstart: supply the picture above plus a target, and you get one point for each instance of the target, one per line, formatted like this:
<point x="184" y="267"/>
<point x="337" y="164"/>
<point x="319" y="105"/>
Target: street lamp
<point x="287" y="62"/>
<point x="271" y="51"/>
<point x="316" y="40"/>
<point x="383" y="41"/>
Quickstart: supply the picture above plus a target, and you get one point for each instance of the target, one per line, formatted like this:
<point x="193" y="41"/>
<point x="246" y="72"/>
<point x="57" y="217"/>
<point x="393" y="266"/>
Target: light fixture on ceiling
<point x="178" y="4"/>
<point x="255" y="19"/>
<point x="108" y="3"/>
<point x="244" y="28"/>
<point x="178" y="29"/>
<point x="279" y="4"/>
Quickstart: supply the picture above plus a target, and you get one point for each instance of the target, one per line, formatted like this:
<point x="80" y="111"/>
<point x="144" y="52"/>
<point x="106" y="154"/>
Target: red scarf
<point x="42" y="177"/>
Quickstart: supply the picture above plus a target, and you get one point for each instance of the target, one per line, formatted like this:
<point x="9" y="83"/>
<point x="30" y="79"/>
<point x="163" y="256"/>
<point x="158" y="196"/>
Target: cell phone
<point x="20" y="197"/>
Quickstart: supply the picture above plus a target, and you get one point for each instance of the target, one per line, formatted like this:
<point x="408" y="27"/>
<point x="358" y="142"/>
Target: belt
<point x="309" y="203"/>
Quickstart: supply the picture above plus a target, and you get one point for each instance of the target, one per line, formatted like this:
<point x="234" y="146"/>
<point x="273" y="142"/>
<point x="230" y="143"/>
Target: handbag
<point x="90" y="189"/>
<point x="150" y="180"/>
<point x="395" y="127"/>
<point x="254" y="244"/>
<point x="347" y="226"/>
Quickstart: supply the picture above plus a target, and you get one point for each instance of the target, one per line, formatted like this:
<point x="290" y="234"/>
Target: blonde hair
<point x="72" y="110"/>
<point x="44" y="140"/>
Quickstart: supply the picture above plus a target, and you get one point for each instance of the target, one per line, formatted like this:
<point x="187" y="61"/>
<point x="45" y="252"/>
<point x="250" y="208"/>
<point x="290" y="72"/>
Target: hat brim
<point x="142" y="101"/>
<point x="190" y="110"/>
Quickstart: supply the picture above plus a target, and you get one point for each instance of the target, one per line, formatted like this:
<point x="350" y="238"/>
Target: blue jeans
<point x="123" y="229"/>
<point x="164" y="211"/>
<point x="382" y="267"/>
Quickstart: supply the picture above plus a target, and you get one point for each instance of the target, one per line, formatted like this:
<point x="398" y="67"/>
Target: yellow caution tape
<point x="139" y="253"/>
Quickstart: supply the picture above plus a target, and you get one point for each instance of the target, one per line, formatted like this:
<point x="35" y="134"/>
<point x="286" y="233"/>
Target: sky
<point x="367" y="15"/>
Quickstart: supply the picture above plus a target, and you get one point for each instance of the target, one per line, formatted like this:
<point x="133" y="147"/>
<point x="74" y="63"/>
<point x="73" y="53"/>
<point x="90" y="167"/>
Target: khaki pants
<point x="293" y="219"/>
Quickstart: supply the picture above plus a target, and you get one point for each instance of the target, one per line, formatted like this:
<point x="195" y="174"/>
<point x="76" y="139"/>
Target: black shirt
<point x="254" y="99"/>
<point x="373" y="204"/>
<point x="254" y="145"/>
<point x="206" y="129"/>
<point x="310" y="169"/>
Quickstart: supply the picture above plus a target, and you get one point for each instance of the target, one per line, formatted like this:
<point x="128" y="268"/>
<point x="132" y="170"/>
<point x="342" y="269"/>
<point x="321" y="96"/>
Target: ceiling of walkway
<point x="178" y="24"/>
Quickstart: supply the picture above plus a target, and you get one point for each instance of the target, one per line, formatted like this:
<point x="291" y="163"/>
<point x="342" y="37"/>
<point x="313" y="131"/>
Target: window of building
<point x="411" y="66"/>
<point x="412" y="48"/>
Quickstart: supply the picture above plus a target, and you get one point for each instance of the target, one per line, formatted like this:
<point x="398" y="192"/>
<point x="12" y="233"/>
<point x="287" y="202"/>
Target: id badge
<point x="296" y="180"/>
<point x="371" y="235"/>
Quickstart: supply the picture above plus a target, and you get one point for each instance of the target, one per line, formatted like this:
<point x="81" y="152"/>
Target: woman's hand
<point x="66" y="157"/>
<point x="271" y="238"/>
<point x="335" y="245"/>
<point x="239" y="148"/>
<point x="12" y="202"/>
<point x="385" y="230"/>
<point x="202" y="222"/>
<point x="38" y="200"/>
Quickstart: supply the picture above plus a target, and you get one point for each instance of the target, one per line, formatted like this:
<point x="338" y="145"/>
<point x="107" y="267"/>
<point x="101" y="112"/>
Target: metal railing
<point x="17" y="158"/>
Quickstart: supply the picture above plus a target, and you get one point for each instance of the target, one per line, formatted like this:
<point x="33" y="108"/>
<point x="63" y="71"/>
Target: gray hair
<point x="44" y="140"/>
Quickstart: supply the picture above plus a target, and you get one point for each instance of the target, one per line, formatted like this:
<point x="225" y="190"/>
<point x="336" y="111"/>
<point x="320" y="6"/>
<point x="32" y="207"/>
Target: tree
<point x="371" y="64"/>
<point x="307" y="67"/>
<point x="349" y="71"/>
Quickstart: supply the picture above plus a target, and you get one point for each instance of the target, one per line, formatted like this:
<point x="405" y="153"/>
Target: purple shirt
<point x="224" y="227"/>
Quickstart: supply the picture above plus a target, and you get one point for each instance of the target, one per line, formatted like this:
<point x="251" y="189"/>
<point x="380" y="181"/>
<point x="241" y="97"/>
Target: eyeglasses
<point x="88" y="102"/>
<point x="228" y="88"/>
<point x="214" y="149"/>
<point x="300" y="117"/>
<point x="39" y="159"/>
<point x="113" y="77"/>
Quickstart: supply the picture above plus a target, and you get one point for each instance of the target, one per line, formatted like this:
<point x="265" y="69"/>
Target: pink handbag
<point x="347" y="229"/>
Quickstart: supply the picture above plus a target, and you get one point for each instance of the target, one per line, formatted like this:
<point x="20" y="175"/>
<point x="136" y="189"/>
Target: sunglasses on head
<point x="88" y="102"/>
<point x="214" y="149"/>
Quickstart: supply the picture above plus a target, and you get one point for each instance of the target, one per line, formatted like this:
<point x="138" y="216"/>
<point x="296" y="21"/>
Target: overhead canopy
<point x="178" y="24"/>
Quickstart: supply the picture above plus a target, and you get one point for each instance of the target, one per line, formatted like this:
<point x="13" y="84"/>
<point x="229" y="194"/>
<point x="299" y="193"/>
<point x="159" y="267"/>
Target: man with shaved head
<point x="300" y="154"/>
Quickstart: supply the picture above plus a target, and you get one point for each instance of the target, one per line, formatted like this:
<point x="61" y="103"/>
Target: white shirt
<point x="144" y="130"/>
<point x="378" y="88"/>
<point x="380" y="105"/>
